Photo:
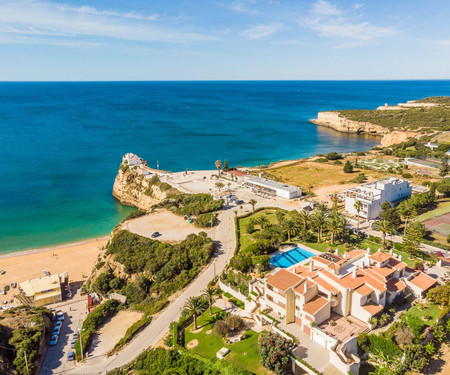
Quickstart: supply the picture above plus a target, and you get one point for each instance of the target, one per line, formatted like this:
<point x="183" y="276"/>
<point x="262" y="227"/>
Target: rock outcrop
<point x="138" y="187"/>
<point x="396" y="137"/>
<point x="337" y="122"/>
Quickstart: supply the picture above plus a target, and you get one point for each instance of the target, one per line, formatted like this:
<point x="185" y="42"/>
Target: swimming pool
<point x="291" y="257"/>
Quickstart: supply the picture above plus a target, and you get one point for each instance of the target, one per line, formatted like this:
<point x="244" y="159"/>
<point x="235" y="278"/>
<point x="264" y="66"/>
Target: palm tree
<point x="305" y="218"/>
<point x="384" y="228"/>
<point x="358" y="207"/>
<point x="195" y="306"/>
<point x="333" y="227"/>
<point x="218" y="164"/>
<point x="319" y="222"/>
<point x="263" y="222"/>
<point x="209" y="293"/>
<point x="343" y="222"/>
<point x="290" y="227"/>
<point x="252" y="202"/>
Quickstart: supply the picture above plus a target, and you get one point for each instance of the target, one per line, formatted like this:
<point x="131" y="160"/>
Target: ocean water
<point x="61" y="143"/>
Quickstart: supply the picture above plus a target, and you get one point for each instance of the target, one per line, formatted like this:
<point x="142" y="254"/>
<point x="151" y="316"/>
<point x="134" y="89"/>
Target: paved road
<point x="224" y="235"/>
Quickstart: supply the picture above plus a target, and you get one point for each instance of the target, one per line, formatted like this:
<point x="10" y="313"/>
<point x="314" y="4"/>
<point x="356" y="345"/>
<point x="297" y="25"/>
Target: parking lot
<point x="55" y="360"/>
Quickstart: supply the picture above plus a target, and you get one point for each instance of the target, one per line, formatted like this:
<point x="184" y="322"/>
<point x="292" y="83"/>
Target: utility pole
<point x="26" y="361"/>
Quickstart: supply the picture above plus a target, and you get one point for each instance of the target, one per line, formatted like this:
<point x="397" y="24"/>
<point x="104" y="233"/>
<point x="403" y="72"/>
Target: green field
<point x="244" y="353"/>
<point x="431" y="310"/>
<point x="442" y="208"/>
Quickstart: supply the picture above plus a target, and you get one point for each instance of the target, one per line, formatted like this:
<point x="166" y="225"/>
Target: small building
<point x="236" y="175"/>
<point x="431" y="146"/>
<point x="44" y="290"/>
<point x="265" y="186"/>
<point x="373" y="195"/>
<point x="118" y="297"/>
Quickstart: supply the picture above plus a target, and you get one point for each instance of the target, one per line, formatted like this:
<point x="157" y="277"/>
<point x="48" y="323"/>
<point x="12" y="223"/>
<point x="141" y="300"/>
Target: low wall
<point x="298" y="362"/>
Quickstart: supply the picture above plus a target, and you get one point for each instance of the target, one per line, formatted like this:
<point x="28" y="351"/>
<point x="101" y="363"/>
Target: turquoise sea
<point x="61" y="143"/>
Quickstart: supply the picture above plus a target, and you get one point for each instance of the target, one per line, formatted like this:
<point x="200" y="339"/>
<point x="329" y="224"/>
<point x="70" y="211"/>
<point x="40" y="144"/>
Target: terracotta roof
<point x="238" y="173"/>
<point x="364" y="290"/>
<point x="422" y="281"/>
<point x="305" y="272"/>
<point x="395" y="285"/>
<point x="397" y="264"/>
<point x="324" y="284"/>
<point x="383" y="271"/>
<point x="314" y="305"/>
<point x="301" y="288"/>
<point x="369" y="271"/>
<point x="372" y="308"/>
<point x="283" y="280"/>
<point x="354" y="253"/>
<point x="379" y="256"/>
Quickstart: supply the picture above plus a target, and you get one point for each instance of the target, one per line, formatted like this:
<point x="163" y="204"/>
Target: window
<point x="270" y="298"/>
<point x="270" y="287"/>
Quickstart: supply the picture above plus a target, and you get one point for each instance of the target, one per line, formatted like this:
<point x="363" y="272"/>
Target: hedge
<point x="132" y="331"/>
<point x="306" y="364"/>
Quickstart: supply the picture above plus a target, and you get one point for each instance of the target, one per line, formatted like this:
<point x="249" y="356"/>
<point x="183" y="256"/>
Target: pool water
<point x="291" y="257"/>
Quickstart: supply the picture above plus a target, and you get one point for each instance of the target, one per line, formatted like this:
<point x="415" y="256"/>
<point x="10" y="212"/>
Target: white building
<point x="372" y="196"/>
<point x="263" y="185"/>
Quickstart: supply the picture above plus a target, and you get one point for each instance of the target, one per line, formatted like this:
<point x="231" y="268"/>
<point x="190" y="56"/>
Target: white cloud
<point x="260" y="31"/>
<point x="325" y="8"/>
<point x="334" y="23"/>
<point x="41" y="17"/>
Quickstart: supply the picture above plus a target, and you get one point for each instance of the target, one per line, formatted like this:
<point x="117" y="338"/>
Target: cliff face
<point x="396" y="137"/>
<point x="334" y="121"/>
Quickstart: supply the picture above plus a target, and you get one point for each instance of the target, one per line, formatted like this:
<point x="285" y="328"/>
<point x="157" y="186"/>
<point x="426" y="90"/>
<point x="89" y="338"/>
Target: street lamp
<point x="81" y="344"/>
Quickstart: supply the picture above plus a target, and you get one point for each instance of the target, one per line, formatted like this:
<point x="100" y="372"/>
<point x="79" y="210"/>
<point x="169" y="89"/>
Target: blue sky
<point x="221" y="40"/>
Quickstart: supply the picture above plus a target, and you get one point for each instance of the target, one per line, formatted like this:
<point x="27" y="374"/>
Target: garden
<point x="206" y="342"/>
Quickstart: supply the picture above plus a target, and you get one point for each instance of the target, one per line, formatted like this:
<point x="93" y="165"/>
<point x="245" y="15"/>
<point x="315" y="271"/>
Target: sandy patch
<point x="77" y="259"/>
<point x="192" y="344"/>
<point x="209" y="331"/>
<point x="323" y="191"/>
<point x="173" y="228"/>
<point x="197" y="330"/>
<point x="111" y="332"/>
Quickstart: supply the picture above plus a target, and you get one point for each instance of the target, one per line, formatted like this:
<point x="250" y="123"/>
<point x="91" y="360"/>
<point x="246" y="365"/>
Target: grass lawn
<point x="246" y="239"/>
<point x="442" y="208"/>
<point x="244" y="353"/>
<point x="432" y="310"/>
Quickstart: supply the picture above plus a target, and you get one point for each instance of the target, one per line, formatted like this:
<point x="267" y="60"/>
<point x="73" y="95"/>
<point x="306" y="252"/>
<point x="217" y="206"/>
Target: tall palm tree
<point x="209" y="293"/>
<point x="334" y="227"/>
<point x="319" y="220"/>
<point x="343" y="222"/>
<point x="252" y="202"/>
<point x="290" y="227"/>
<point x="358" y="207"/>
<point x="263" y="222"/>
<point x="195" y="306"/>
<point x="384" y="228"/>
<point x="305" y="218"/>
<point x="218" y="164"/>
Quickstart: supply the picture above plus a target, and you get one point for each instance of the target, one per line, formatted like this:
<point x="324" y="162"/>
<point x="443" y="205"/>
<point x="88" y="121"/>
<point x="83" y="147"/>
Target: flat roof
<point x="42" y="284"/>
<point x="272" y="184"/>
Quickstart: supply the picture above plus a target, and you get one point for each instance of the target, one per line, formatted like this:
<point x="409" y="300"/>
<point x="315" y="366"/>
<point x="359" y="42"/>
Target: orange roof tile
<point x="397" y="264"/>
<point x="314" y="305"/>
<point x="283" y="280"/>
<point x="395" y="285"/>
<point x="321" y="282"/>
<point x="305" y="272"/>
<point x="379" y="256"/>
<point x="354" y="253"/>
<point x="301" y="288"/>
<point x="383" y="271"/>
<point x="422" y="281"/>
<point x="372" y="308"/>
<point x="364" y="290"/>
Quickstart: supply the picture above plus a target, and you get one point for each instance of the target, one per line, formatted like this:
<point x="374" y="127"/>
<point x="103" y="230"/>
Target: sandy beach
<point x="77" y="259"/>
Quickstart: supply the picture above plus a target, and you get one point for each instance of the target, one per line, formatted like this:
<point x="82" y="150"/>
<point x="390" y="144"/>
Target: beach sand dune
<point x="77" y="259"/>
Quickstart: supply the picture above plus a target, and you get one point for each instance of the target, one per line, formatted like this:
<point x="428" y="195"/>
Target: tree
<point x="358" y="207"/>
<point x="343" y="222"/>
<point x="274" y="351"/>
<point x="333" y="226"/>
<point x="440" y="295"/>
<point x="263" y="222"/>
<point x="432" y="192"/>
<point x="195" y="306"/>
<point x="219" y="185"/>
<point x="225" y="166"/>
<point x="209" y="293"/>
<point x="384" y="228"/>
<point x="444" y="189"/>
<point x="444" y="167"/>
<point x="416" y="357"/>
<point x="305" y="218"/>
<point x="391" y="215"/>
<point x="414" y="233"/>
<point x="348" y="167"/>
<point x="252" y="202"/>
<point x="218" y="164"/>
<point x="290" y="227"/>
<point x="319" y="220"/>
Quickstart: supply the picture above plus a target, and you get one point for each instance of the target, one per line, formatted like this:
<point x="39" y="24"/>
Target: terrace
<point x="343" y="328"/>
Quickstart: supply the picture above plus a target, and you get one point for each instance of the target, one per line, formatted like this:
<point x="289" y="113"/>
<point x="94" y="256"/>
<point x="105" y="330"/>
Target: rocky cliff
<point x="342" y="124"/>
<point x="136" y="186"/>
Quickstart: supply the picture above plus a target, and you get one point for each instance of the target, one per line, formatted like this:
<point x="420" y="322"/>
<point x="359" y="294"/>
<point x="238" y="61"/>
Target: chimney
<point x="391" y="252"/>
<point x="354" y="273"/>
<point x="311" y="264"/>
<point x="379" y="249"/>
<point x="336" y="252"/>
<point x="368" y="250"/>
<point x="259" y="174"/>
<point x="400" y="257"/>
<point x="306" y="286"/>
<point x="345" y="255"/>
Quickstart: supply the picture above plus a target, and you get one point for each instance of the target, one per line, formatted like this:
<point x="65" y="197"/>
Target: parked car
<point x="2" y="272"/>
<point x="156" y="234"/>
<point x="2" y="292"/>
<point x="71" y="356"/>
<point x="56" y="330"/>
<point x="75" y="335"/>
<point x="6" y="288"/>
<point x="45" y="272"/>
<point x="239" y="202"/>
<point x="14" y="285"/>
<point x="73" y="342"/>
<point x="54" y="340"/>
<point x="60" y="315"/>
<point x="5" y="301"/>
<point x="58" y="323"/>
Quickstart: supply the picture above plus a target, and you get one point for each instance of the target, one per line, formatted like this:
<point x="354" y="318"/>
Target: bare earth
<point x="172" y="227"/>
<point x="77" y="259"/>
<point x="192" y="344"/>
<point x="113" y="331"/>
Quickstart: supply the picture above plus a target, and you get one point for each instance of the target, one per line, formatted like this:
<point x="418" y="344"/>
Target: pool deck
<point x="292" y="247"/>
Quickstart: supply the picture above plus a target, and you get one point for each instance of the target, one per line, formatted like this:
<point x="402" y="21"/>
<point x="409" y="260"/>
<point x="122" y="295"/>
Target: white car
<point x="2" y="292"/>
<point x="45" y="272"/>
<point x="2" y="272"/>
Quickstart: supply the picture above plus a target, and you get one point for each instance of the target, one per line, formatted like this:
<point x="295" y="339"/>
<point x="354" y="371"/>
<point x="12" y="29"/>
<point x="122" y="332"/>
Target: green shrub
<point x="135" y="214"/>
<point x="99" y="265"/>
<point x="321" y="160"/>
<point x="205" y="220"/>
